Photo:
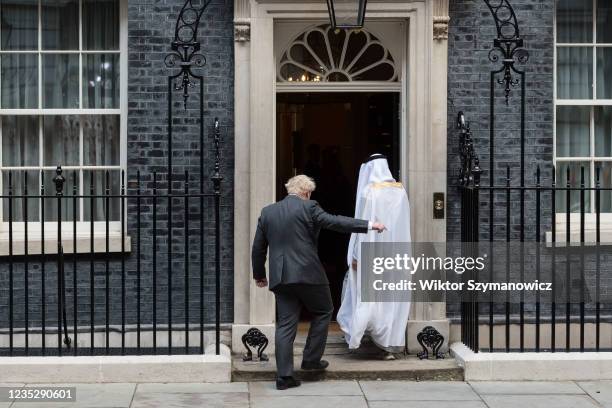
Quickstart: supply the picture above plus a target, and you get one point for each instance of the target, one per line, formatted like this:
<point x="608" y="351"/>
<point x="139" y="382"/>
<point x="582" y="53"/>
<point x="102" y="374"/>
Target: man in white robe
<point x="380" y="198"/>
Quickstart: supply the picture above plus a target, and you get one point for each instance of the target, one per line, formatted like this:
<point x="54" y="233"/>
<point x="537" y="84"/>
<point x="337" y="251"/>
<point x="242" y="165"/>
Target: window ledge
<point x="83" y="243"/>
<point x="590" y="234"/>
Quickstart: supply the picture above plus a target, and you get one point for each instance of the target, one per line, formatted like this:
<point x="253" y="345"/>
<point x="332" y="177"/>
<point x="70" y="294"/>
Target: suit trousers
<point x="290" y="298"/>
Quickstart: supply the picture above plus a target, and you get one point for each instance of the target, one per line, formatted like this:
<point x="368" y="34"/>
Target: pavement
<point x="338" y="394"/>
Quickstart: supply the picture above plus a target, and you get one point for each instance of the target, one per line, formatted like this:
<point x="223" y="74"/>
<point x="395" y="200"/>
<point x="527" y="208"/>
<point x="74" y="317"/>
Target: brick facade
<point x="471" y="34"/>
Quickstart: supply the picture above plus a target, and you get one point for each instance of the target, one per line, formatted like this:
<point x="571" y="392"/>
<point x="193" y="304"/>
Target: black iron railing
<point x="579" y="319"/>
<point x="145" y="282"/>
<point x="547" y="242"/>
<point x="575" y="315"/>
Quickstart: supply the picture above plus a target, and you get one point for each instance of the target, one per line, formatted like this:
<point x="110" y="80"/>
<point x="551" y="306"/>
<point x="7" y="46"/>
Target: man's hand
<point x="261" y="283"/>
<point x="377" y="226"/>
<point x="354" y="265"/>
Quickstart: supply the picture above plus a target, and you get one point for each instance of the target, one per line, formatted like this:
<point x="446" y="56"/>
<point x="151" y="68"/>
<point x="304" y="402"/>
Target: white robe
<point x="382" y="200"/>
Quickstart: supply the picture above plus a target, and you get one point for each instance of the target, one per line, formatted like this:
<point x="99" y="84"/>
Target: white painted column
<point x="263" y="161"/>
<point x="254" y="164"/>
<point x="427" y="172"/>
<point x="242" y="70"/>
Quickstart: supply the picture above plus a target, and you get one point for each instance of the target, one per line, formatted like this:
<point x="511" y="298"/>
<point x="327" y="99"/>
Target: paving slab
<point x="326" y="388"/>
<point x="176" y="400"/>
<point x="526" y="387"/>
<point x="417" y="391"/>
<point x="427" y="404"/>
<point x="539" y="401"/>
<point x="89" y="396"/>
<point x="7" y="404"/>
<point x="195" y="388"/>
<point x="601" y="391"/>
<point x="308" y="401"/>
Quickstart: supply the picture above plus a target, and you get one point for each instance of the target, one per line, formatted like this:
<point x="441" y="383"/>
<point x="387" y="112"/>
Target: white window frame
<point x="83" y="227"/>
<point x="606" y="218"/>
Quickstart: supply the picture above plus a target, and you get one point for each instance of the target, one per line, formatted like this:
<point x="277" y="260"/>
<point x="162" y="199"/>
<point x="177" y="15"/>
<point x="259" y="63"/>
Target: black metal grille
<point x="537" y="315"/>
<point x="172" y="268"/>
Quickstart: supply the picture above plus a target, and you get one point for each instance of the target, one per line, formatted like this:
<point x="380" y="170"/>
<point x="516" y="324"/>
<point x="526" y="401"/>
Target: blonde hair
<point x="300" y="184"/>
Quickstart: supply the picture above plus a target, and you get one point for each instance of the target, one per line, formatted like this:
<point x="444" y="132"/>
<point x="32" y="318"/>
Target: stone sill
<point x="112" y="369"/>
<point x="590" y="238"/>
<point x="531" y="366"/>
<point x="590" y="232"/>
<point x="83" y="243"/>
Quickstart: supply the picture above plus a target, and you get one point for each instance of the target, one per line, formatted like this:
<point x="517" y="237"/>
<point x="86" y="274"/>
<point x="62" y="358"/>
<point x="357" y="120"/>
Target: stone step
<point x="363" y="364"/>
<point x="355" y="366"/>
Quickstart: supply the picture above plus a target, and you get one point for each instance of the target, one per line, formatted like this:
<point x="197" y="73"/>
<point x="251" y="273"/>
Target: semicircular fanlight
<point x="321" y="54"/>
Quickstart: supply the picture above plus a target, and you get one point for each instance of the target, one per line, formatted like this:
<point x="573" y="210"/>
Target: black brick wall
<point x="471" y="34"/>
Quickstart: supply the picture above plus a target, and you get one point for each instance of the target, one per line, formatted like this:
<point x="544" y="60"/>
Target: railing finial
<point x="470" y="163"/>
<point x="59" y="181"/>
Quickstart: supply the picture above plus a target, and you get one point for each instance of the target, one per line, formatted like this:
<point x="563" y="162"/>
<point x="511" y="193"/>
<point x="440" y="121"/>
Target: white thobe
<point x="384" y="322"/>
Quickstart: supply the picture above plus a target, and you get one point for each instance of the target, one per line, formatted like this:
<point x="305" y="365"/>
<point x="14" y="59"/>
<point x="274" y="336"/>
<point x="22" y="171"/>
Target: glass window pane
<point x="61" y="140"/>
<point x="604" y="21"/>
<point x="574" y="21"/>
<point x="19" y="86"/>
<point x="101" y="81"/>
<point x="61" y="81"/>
<point x="101" y="25"/>
<point x="573" y="131"/>
<point x="574" y="182"/>
<point x="574" y="73"/>
<point x="98" y="180"/>
<point x="605" y="181"/>
<point x="19" y="24"/>
<point x="603" y="131"/>
<point x="604" y="73"/>
<point x="22" y="182"/>
<point x="20" y="141"/>
<point x="101" y="140"/>
<point x="60" y="25"/>
<point x="51" y="203"/>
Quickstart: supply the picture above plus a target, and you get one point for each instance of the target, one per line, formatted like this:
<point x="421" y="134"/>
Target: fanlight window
<point x="325" y="55"/>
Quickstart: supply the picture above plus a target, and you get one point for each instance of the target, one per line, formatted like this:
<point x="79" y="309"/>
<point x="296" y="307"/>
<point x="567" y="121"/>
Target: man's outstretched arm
<point x="341" y="223"/>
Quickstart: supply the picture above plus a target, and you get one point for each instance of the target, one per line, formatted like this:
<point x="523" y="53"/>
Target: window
<point x="583" y="129"/>
<point x="325" y="55"/>
<point x="61" y="103"/>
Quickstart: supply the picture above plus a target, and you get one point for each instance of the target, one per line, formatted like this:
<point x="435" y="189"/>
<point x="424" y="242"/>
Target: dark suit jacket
<point x="291" y="229"/>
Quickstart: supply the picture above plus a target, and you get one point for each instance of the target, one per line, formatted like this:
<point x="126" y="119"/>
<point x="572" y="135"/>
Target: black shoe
<point x="314" y="365"/>
<point x="282" y="383"/>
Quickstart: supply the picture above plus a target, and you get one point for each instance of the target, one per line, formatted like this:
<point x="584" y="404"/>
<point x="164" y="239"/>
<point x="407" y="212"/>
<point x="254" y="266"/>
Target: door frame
<point x="284" y="34"/>
<point x="424" y="166"/>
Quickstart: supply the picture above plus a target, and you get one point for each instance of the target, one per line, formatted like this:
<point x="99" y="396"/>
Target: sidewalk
<point x="341" y="394"/>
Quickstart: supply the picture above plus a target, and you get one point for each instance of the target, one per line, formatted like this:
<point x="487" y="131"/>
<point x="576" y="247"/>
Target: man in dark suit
<point x="290" y="229"/>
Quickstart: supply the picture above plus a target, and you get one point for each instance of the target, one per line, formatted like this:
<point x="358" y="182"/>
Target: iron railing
<point x="488" y="221"/>
<point x="146" y="283"/>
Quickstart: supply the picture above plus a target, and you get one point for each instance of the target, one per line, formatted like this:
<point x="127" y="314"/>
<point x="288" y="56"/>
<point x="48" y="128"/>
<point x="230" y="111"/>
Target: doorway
<point x="327" y="135"/>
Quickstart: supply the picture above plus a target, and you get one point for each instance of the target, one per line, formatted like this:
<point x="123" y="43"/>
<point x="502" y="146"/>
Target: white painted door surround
<point x="262" y="28"/>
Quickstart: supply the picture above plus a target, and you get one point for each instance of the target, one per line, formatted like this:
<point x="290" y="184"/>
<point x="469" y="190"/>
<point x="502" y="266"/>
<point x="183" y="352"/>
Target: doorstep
<point x="355" y="367"/>
<point x="362" y="364"/>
